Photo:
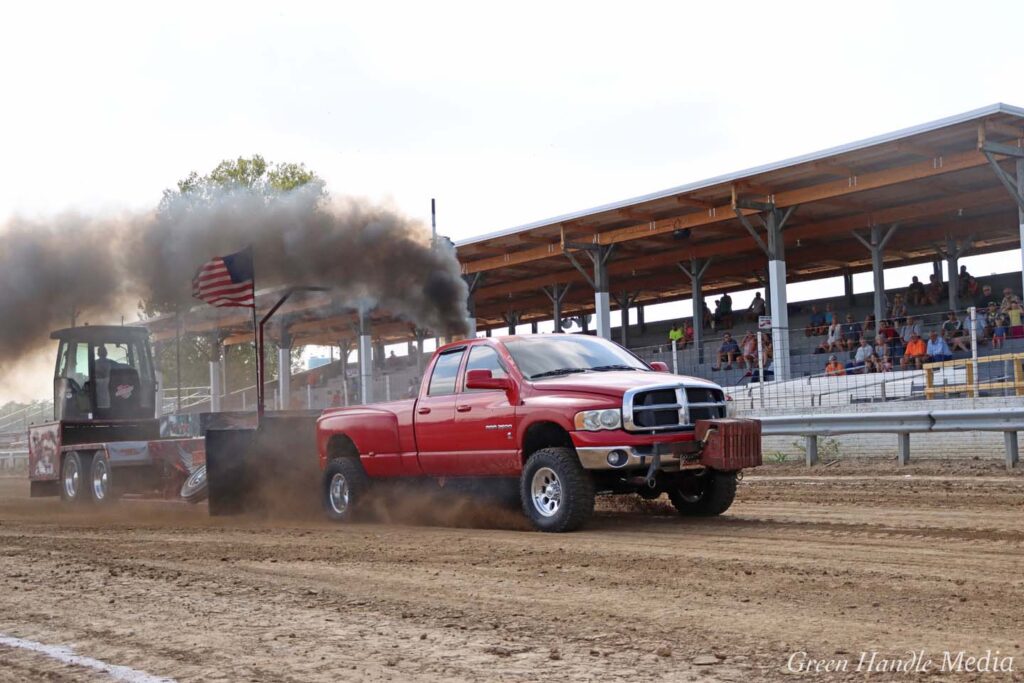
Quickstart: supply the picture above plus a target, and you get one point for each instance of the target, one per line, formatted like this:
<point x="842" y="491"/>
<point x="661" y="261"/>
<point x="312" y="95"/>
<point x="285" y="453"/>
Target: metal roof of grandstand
<point x="930" y="179"/>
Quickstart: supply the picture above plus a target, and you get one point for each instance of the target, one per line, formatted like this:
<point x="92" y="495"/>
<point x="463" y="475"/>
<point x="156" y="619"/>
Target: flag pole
<point x="256" y="341"/>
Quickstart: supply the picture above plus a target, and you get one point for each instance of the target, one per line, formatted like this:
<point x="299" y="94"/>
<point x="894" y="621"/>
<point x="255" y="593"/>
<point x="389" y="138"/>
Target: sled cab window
<point x="74" y="362"/>
<point x="446" y="370"/>
<point x="482" y="357"/>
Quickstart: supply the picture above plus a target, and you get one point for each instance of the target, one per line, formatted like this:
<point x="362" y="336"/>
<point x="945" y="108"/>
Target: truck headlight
<point x="594" y="420"/>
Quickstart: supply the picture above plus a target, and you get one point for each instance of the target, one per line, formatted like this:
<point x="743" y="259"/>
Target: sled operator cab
<point x="103" y="372"/>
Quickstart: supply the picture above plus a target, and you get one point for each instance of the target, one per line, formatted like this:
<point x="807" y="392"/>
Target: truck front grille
<point x="672" y="407"/>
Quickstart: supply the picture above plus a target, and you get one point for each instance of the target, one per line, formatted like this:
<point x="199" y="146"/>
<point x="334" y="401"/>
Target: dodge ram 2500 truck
<point x="568" y="416"/>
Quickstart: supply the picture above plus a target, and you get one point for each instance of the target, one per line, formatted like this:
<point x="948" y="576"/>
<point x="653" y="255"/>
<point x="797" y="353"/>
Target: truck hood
<point x="615" y="383"/>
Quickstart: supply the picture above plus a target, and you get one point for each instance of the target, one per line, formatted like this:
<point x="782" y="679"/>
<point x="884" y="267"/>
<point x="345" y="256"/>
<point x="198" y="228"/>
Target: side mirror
<point x="483" y="379"/>
<point x="659" y="366"/>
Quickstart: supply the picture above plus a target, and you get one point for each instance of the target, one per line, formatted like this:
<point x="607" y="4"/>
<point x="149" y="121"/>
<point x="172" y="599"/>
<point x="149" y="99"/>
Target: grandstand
<point x="930" y="194"/>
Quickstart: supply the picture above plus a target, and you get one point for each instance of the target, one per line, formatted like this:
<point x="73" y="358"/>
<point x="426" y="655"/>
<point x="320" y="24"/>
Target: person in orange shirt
<point x="834" y="368"/>
<point x="915" y="353"/>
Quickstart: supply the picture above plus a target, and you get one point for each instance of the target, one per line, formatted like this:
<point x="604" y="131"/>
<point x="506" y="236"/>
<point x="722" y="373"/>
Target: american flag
<point x="226" y="281"/>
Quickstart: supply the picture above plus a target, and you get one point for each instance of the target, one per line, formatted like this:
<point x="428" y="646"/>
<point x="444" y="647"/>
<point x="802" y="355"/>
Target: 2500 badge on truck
<point x="568" y="416"/>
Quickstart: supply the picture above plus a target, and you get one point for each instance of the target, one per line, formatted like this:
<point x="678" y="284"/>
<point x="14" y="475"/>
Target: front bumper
<point x="672" y="456"/>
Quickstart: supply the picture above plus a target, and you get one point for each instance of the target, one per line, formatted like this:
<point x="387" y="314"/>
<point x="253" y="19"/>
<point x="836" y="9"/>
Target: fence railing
<point x="903" y="424"/>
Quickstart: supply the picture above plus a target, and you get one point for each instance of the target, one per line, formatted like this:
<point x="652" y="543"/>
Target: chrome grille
<point x="670" y="407"/>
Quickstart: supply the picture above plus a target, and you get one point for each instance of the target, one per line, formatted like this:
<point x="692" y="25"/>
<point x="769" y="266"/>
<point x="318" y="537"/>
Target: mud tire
<point x="556" y="473"/>
<point x="711" y="495"/>
<point x="344" y="485"/>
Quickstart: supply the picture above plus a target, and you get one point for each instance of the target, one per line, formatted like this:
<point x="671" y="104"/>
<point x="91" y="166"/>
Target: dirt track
<point x="834" y="564"/>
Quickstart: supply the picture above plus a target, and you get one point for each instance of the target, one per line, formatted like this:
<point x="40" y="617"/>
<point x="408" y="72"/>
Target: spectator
<point x="748" y="350"/>
<point x="688" y="339"/>
<point x="869" y="323"/>
<point x="937" y="349"/>
<point x="970" y="290"/>
<point x="1014" y="313"/>
<point x="986" y="298"/>
<point x="980" y="326"/>
<point x="830" y="317"/>
<point x="834" y="341"/>
<point x="915" y="353"/>
<point x="706" y="317"/>
<point x="963" y="281"/>
<point x="892" y="338"/>
<point x="413" y="389"/>
<point x="1001" y="327"/>
<point x="756" y="308"/>
<point x="951" y="327"/>
<point x="882" y="345"/>
<point x="864" y="352"/>
<point x="916" y="292"/>
<point x="723" y="312"/>
<point x="911" y="327"/>
<point x="676" y="334"/>
<point x="933" y="293"/>
<point x="767" y="352"/>
<point x="335" y="399"/>
<point x="852" y="332"/>
<point x="899" y="308"/>
<point x="834" y="368"/>
<point x="728" y="351"/>
<point x="991" y="317"/>
<point x="816" y="325"/>
<point x="1008" y="297"/>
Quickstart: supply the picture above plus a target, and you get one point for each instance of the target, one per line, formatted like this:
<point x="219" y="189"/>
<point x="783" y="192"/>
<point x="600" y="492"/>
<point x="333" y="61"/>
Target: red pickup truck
<point x="568" y="416"/>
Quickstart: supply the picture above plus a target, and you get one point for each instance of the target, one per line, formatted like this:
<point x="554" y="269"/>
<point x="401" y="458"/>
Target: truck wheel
<point x="705" y="495"/>
<point x="74" y="474"/>
<point x="101" y="480"/>
<point x="344" y="484"/>
<point x="194" y="489"/>
<point x="557" y="493"/>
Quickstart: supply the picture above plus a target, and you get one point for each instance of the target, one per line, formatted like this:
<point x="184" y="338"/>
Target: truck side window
<point x="446" y="369"/>
<point x="483" y="357"/>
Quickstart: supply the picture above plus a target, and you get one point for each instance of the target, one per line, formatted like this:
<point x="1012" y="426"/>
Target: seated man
<point x="963" y="281"/>
<point x="915" y="353"/>
<point x="915" y="292"/>
<point x="852" y="331"/>
<point x="899" y="308"/>
<point x="911" y="327"/>
<point x="953" y="332"/>
<point x="937" y="349"/>
<point x="816" y="325"/>
<point x="985" y="298"/>
<point x="864" y="352"/>
<point x="834" y="368"/>
<point x="728" y="351"/>
<point x="677" y="335"/>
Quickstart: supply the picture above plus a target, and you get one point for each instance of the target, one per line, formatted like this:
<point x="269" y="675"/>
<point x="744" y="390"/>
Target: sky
<point x="506" y="113"/>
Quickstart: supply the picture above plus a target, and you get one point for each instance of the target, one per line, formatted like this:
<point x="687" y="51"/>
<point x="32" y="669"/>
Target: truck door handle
<point x="423" y="411"/>
<point x="463" y="409"/>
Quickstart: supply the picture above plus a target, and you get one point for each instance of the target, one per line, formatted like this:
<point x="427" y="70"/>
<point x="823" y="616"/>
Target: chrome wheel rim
<point x="100" y="479"/>
<point x="338" y="494"/>
<point x="71" y="476"/>
<point x="546" y="491"/>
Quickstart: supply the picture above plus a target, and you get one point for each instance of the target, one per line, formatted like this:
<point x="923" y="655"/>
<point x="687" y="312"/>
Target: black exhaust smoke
<point x="370" y="255"/>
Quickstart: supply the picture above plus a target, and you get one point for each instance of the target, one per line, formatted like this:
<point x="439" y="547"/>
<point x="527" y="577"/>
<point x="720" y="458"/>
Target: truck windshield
<point x="550" y="356"/>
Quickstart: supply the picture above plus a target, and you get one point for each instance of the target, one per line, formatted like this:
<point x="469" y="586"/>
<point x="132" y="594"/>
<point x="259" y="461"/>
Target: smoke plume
<point x="366" y="253"/>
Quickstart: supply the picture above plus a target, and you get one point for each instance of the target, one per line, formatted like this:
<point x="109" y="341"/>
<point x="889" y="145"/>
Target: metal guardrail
<point x="903" y="424"/>
<point x="10" y="460"/>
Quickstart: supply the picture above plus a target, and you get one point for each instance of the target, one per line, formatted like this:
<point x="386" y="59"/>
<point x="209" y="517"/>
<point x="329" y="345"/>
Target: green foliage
<point x="778" y="457"/>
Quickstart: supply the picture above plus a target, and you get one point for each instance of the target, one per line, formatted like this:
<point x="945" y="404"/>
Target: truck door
<point x="434" y="419"/>
<point x="485" y="421"/>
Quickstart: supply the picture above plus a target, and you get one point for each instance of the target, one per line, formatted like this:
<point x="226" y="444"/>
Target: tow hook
<point x="652" y="471"/>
